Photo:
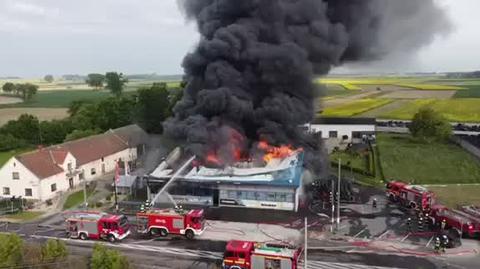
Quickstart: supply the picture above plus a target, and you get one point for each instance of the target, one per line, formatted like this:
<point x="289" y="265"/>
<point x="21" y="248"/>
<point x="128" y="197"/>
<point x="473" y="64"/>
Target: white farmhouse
<point x="47" y="172"/>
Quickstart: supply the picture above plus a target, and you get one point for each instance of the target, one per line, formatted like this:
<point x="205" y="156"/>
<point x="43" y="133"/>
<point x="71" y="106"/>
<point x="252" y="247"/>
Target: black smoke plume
<point x="252" y="71"/>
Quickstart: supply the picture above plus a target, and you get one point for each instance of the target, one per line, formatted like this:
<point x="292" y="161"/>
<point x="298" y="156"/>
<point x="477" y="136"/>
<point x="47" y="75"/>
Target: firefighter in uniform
<point x="374" y="203"/>
<point x="444" y="242"/>
<point x="420" y="224"/>
<point x="437" y="244"/>
<point x="427" y="221"/>
<point x="443" y="225"/>
<point x="409" y="224"/>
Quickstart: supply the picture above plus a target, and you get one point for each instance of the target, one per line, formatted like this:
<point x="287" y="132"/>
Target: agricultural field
<point x="354" y="107"/>
<point x="401" y="158"/>
<point x="406" y="82"/>
<point x="456" y="110"/>
<point x="7" y="114"/>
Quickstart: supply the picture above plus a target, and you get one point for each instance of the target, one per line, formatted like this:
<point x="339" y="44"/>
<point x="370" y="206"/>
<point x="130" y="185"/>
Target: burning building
<point x="272" y="180"/>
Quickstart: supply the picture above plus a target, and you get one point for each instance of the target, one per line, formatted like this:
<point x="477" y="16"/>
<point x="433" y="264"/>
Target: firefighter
<point x="444" y="243"/>
<point x="443" y="225"/>
<point x="437" y="244"/>
<point x="420" y="224"/>
<point x="409" y="224"/>
<point x="374" y="203"/>
<point x="427" y="221"/>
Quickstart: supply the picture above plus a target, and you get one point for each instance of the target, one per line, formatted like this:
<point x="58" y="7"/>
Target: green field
<point x="454" y="195"/>
<point x="457" y="110"/>
<point x="471" y="91"/>
<point x="406" y="160"/>
<point x="355" y="160"/>
<point x="354" y="107"/>
<point x="404" y="82"/>
<point x="24" y="216"/>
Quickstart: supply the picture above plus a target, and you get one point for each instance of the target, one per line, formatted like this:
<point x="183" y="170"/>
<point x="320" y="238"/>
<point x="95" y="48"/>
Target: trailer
<point x="408" y="195"/>
<point x="162" y="222"/>
<point x="252" y="255"/>
<point x="97" y="225"/>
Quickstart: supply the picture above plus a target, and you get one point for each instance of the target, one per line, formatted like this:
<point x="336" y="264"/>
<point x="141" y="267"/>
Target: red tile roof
<point x="40" y="163"/>
<point x="46" y="162"/>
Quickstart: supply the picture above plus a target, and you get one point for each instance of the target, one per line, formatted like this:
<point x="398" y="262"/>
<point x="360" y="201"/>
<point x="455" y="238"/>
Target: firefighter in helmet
<point x="437" y="244"/>
<point x="444" y="242"/>
<point x="409" y="224"/>
<point x="374" y="203"/>
<point x="443" y="225"/>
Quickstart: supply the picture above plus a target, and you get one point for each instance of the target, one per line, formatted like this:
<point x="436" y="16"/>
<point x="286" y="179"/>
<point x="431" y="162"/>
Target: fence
<point x="11" y="206"/>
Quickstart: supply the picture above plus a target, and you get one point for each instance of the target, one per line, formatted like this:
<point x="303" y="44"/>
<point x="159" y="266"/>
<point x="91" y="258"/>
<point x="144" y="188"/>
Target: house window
<point x="103" y="159"/>
<point x="93" y="171"/>
<point x="333" y="134"/>
<point x="53" y="187"/>
<point x="69" y="166"/>
<point x="81" y="176"/>
<point x="28" y="192"/>
<point x="15" y="175"/>
<point x="6" y="191"/>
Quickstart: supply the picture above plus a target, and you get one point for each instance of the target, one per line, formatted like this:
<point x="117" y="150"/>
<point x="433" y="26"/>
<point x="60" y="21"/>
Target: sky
<point x="39" y="37"/>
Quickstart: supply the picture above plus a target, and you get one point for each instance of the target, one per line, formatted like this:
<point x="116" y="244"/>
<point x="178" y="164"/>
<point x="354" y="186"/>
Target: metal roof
<point x="346" y="121"/>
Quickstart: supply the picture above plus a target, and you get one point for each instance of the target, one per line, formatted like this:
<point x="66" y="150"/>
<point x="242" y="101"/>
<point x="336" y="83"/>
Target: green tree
<point x="55" y="131"/>
<point x="153" y="107"/>
<point x="8" y="87"/>
<point x="77" y="134"/>
<point x="429" y="126"/>
<point x="75" y="106"/>
<point x="54" y="250"/>
<point x="9" y="142"/>
<point x="103" y="258"/>
<point x="114" y="112"/>
<point x="48" y="78"/>
<point x="85" y="117"/>
<point x="26" y="90"/>
<point x="115" y="82"/>
<point x="26" y="127"/>
<point x="11" y="250"/>
<point x="95" y="80"/>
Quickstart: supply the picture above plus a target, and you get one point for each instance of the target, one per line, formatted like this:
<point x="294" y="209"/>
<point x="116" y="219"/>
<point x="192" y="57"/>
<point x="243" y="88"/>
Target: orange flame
<point x="213" y="159"/>
<point x="273" y="152"/>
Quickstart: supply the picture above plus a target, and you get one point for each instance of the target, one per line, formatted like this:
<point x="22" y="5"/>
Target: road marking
<point x="312" y="264"/>
<point x="429" y="241"/>
<point x="359" y="233"/>
<point x="382" y="235"/>
<point x="405" y="237"/>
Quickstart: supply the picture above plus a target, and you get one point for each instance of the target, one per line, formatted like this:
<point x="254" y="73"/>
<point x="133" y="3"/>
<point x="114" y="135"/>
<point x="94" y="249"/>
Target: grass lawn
<point x="25" y="215"/>
<point x="356" y="161"/>
<point x="76" y="199"/>
<point x="6" y="155"/>
<point x="458" y="110"/>
<point x="355" y="107"/>
<point x="453" y="195"/>
<point x="61" y="98"/>
<point x="406" y="160"/>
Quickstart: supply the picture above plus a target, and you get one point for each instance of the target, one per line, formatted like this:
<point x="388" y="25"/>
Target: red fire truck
<point x="97" y="225"/>
<point x="161" y="222"/>
<point x="461" y="222"/>
<point x="251" y="255"/>
<point x="410" y="195"/>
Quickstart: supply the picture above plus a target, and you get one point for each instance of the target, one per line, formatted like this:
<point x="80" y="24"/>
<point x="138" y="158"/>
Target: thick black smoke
<point x="251" y="73"/>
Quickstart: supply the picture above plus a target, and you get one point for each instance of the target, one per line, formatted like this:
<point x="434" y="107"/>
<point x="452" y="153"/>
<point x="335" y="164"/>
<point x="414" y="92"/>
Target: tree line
<point x="148" y="107"/>
<point x="16" y="253"/>
<point x="24" y="90"/>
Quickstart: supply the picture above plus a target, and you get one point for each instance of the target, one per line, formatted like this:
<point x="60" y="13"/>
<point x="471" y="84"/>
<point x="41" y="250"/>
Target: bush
<point x="429" y="126"/>
<point x="103" y="258"/>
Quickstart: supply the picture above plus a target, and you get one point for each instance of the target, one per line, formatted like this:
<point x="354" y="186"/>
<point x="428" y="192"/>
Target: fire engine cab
<point x="161" y="222"/>
<point x="251" y="255"/>
<point x="97" y="225"/>
<point x="413" y="196"/>
<point x="463" y="223"/>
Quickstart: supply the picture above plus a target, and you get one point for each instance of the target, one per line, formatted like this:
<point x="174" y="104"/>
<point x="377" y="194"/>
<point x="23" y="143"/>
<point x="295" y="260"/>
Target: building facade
<point x="346" y="129"/>
<point x="47" y="172"/>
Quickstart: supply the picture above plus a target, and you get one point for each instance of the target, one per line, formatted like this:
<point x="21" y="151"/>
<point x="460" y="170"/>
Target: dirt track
<point x="9" y="100"/>
<point x="7" y="114"/>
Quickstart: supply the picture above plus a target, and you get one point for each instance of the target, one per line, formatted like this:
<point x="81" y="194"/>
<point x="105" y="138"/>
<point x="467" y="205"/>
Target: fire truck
<point x="161" y="222"/>
<point x="461" y="222"/>
<point x="251" y="255"/>
<point x="97" y="225"/>
<point x="412" y="196"/>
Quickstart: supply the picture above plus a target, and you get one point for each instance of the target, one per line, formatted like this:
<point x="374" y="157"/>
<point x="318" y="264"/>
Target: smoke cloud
<point x="251" y="74"/>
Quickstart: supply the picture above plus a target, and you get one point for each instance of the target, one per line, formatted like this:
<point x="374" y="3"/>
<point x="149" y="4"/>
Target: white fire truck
<point x="412" y="196"/>
<point x="97" y="225"/>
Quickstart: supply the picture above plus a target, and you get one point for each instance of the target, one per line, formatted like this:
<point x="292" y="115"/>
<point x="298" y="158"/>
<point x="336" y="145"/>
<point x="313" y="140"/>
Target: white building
<point x="47" y="172"/>
<point x="346" y="129"/>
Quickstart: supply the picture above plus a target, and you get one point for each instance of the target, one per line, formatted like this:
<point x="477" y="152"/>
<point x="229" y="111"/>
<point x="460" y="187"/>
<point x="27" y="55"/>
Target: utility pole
<point x="332" y="202"/>
<point x="306" y="245"/>
<point x="338" y="192"/>
<point x="85" y="193"/>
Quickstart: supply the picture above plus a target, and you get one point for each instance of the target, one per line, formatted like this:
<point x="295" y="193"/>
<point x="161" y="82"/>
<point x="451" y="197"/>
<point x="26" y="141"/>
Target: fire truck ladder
<point x="179" y="171"/>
